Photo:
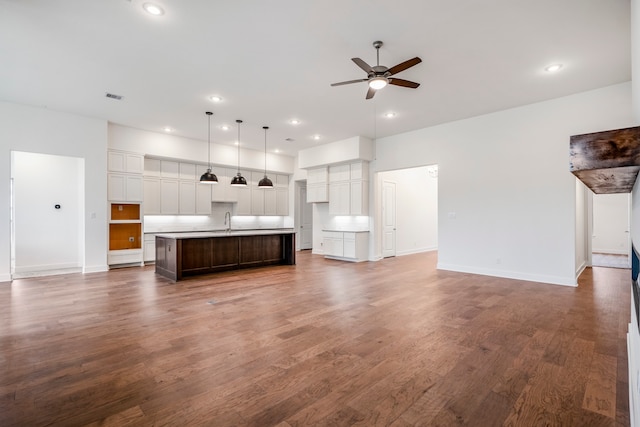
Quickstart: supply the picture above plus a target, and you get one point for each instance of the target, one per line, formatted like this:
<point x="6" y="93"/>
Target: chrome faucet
<point x="227" y="215"/>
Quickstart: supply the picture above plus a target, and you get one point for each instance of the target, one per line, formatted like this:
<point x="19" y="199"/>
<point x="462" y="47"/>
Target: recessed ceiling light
<point x="153" y="9"/>
<point x="390" y="115"/>
<point x="294" y="121"/>
<point x="167" y="129"/>
<point x="277" y="150"/>
<point x="553" y="68"/>
<point x="215" y="98"/>
<point x="236" y="143"/>
<point x="225" y="127"/>
<point x="316" y="137"/>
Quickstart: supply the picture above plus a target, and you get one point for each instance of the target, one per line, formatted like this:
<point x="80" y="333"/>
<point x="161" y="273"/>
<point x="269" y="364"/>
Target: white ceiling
<point x="274" y="60"/>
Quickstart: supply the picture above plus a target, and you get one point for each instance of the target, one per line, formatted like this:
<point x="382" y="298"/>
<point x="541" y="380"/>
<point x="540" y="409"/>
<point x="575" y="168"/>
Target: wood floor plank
<point x="600" y="394"/>
<point x="321" y="343"/>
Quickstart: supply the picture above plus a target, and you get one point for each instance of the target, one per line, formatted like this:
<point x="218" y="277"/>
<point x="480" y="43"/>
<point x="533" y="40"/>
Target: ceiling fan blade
<point x="370" y="93"/>
<point x="404" y="65"/>
<point x="403" y="83"/>
<point x="349" y="82"/>
<point x="360" y="63"/>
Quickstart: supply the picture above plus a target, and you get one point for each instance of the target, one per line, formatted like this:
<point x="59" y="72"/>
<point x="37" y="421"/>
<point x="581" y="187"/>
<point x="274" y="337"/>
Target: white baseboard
<point x="580" y="269"/>
<point x="25" y="269"/>
<point x="609" y="251"/>
<point x="416" y="251"/>
<point x="553" y="280"/>
<point x="5" y="278"/>
<point x="95" y="268"/>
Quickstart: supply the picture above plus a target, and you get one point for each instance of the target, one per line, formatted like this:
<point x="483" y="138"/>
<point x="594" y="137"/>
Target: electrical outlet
<point x="120" y="207"/>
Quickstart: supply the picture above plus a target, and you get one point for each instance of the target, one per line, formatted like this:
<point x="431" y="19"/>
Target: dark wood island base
<point x="188" y="254"/>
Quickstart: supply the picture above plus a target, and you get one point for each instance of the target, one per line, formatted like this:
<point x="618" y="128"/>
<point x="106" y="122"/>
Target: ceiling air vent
<point x="114" y="96"/>
<point x="289" y="139"/>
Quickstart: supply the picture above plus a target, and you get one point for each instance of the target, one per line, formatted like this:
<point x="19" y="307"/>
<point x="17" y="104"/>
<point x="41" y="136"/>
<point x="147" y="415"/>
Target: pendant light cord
<point x="238" y="122"/>
<point x="265" y="149"/>
<point x="209" y="140"/>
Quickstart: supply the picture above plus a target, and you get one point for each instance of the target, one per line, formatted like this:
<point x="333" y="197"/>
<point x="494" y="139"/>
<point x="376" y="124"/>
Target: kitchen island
<point x="188" y="254"/>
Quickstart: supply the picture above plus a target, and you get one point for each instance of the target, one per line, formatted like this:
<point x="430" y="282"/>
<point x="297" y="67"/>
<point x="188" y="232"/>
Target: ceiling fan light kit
<point x="379" y="76"/>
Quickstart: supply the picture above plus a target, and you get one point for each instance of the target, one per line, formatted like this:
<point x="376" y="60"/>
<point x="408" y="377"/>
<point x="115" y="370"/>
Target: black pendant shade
<point x="209" y="177"/>
<point x="239" y="180"/>
<point x="265" y="182"/>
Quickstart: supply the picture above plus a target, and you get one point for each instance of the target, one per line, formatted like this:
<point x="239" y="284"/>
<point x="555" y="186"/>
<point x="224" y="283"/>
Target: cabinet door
<point x="257" y="194"/>
<point x="339" y="173"/>
<point x="187" y="171"/>
<point x="134" y="163"/>
<point x="282" y="201"/>
<point x="169" y="169"/>
<point x="339" y="199"/>
<point x="187" y="198"/>
<point x="270" y="201"/>
<point x="282" y="181"/>
<point x="151" y="196"/>
<point x="149" y="249"/>
<point x="219" y="191"/>
<point x="169" y="197"/>
<point x="359" y="198"/>
<point x="116" y="187"/>
<point x="244" y="200"/>
<point x="133" y="188"/>
<point x="349" y="245"/>
<point x="151" y="167"/>
<point x="317" y="193"/>
<point x="116" y="161"/>
<point x="203" y="198"/>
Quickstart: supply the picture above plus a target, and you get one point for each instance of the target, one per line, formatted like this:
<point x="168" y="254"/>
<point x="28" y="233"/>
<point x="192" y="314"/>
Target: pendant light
<point x="238" y="180"/>
<point x="265" y="182"/>
<point x="209" y="177"/>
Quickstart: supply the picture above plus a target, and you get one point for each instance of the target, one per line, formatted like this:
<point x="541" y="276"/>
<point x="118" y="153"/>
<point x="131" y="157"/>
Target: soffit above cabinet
<point x="607" y="162"/>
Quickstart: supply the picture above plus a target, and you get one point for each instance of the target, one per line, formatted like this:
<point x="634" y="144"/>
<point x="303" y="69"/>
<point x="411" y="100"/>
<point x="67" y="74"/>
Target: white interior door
<point x="306" y="221"/>
<point x="388" y="219"/>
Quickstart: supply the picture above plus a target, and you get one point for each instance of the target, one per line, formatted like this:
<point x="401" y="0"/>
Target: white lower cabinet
<point x="346" y="246"/>
<point x="149" y="248"/>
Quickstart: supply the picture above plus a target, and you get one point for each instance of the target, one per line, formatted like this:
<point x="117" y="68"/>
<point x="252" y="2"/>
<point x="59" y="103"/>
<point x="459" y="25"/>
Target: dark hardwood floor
<point x="324" y="342"/>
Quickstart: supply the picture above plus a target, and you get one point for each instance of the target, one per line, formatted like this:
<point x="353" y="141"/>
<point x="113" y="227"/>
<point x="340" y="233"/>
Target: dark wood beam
<point x="606" y="162"/>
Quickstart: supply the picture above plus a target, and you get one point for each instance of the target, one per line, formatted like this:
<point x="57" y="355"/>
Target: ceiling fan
<point x="379" y="76"/>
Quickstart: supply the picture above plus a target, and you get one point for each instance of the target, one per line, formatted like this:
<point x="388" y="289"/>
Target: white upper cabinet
<point x="169" y="169"/>
<point x="187" y="171"/>
<point x="119" y="161"/>
<point x="124" y="180"/>
<point x="151" y="167"/>
<point x="317" y="185"/>
<point x="348" y="189"/>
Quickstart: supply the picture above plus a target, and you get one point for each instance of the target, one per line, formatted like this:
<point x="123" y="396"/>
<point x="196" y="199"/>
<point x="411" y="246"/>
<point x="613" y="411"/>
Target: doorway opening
<point x="305" y="218"/>
<point x="47" y="214"/>
<point x="408" y="211"/>
<point x="610" y="237"/>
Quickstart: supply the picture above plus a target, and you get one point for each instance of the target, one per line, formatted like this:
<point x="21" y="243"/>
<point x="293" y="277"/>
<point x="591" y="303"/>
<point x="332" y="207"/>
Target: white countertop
<point x="224" y="233"/>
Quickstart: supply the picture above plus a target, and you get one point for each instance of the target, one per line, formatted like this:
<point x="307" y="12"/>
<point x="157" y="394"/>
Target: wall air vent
<point x="114" y="96"/>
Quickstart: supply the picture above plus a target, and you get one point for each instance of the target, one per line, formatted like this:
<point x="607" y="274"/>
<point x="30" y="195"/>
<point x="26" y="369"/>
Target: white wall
<point x="416" y="209"/>
<point x="611" y="223"/>
<point x="47" y="238"/>
<point x="39" y="130"/>
<point x="506" y="198"/>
